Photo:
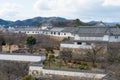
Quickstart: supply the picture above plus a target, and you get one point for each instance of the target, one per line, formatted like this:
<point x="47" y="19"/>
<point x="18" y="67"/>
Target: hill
<point x="30" y="22"/>
<point x="55" y="21"/>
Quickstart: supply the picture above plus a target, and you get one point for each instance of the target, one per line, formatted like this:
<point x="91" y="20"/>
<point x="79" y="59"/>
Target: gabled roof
<point x="115" y="31"/>
<point x="81" y="30"/>
<point x="57" y="29"/>
<point x="70" y="29"/>
<point x="99" y="31"/>
<point x="101" y="24"/>
<point x="28" y="29"/>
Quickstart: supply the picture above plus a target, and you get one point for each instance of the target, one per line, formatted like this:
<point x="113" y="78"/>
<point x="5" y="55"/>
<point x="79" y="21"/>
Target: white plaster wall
<point x="61" y="34"/>
<point x="106" y="38"/>
<point x="88" y="38"/>
<point x="30" y="32"/>
<point x="26" y="58"/>
<point x="33" y="32"/>
<point x="67" y="73"/>
<point x="38" y="68"/>
<point x="75" y="46"/>
<point x="113" y="39"/>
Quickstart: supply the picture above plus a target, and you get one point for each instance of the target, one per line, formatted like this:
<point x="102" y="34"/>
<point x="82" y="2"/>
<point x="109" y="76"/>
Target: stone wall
<point x="38" y="71"/>
<point x="6" y="48"/>
<point x="83" y="50"/>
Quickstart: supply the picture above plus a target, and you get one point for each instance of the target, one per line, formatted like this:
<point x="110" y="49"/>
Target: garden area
<point x="69" y="63"/>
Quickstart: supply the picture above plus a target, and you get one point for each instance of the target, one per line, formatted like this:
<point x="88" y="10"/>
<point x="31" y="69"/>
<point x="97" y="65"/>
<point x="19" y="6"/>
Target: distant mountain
<point x="55" y="21"/>
<point x="30" y="22"/>
<point x="4" y="22"/>
<point x="106" y="23"/>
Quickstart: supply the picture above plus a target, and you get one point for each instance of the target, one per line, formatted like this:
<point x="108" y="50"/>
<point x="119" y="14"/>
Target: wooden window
<point x="116" y="37"/>
<point x="58" y="33"/>
<point x="79" y="43"/>
<point x="64" y="33"/>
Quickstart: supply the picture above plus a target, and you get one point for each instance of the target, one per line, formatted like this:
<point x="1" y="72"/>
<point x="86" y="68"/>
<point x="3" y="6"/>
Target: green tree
<point x="118" y="25"/>
<point x="77" y="22"/>
<point x="31" y="41"/>
<point x="28" y="77"/>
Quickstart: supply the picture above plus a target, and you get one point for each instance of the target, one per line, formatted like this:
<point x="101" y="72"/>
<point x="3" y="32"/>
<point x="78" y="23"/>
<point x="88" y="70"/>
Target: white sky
<point x="85" y="10"/>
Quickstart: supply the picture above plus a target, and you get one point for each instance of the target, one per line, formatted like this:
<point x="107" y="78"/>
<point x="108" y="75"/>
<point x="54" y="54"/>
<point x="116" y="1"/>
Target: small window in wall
<point x="64" y="33"/>
<point x="58" y="33"/>
<point x="79" y="43"/>
<point x="88" y="43"/>
<point x="44" y="32"/>
<point x="51" y="32"/>
<point x="54" y="33"/>
<point x="116" y="37"/>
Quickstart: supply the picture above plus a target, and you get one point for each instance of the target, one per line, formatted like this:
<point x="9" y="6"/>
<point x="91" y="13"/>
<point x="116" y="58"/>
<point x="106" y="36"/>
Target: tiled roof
<point x="92" y="31"/>
<point x="81" y="30"/>
<point x="57" y="29"/>
<point x="28" y="29"/>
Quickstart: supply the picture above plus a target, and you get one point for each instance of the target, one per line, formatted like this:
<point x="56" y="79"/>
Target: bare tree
<point x="65" y="55"/>
<point x="93" y="53"/>
<point x="113" y="55"/>
<point x="2" y="41"/>
<point x="13" y="70"/>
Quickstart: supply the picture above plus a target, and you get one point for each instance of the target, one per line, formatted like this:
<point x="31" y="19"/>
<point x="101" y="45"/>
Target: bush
<point x="84" y="66"/>
<point x="28" y="77"/>
<point x="49" y="49"/>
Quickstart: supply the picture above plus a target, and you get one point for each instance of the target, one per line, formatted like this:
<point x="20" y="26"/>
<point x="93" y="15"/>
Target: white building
<point x="87" y="33"/>
<point x="56" y="31"/>
<point x="80" y="34"/>
<point x="83" y="35"/>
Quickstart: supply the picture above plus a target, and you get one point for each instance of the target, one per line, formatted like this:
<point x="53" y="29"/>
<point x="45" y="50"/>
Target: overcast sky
<point x="85" y="10"/>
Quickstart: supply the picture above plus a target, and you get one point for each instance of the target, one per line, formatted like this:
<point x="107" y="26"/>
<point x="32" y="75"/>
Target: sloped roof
<point x="70" y="29"/>
<point x="81" y="30"/>
<point x="28" y="29"/>
<point x="22" y="57"/>
<point x="115" y="31"/>
<point x="57" y="29"/>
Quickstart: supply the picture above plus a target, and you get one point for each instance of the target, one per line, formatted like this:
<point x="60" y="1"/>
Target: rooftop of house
<point x="22" y="54"/>
<point x="81" y="30"/>
<point x="27" y="29"/>
<point x="22" y="57"/>
<point x="57" y="29"/>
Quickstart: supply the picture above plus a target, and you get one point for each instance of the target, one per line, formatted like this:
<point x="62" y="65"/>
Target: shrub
<point x="28" y="77"/>
<point x="84" y="66"/>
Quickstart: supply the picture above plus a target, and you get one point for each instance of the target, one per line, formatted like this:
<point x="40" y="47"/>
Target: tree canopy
<point x="31" y="40"/>
<point x="118" y="25"/>
<point x="28" y="77"/>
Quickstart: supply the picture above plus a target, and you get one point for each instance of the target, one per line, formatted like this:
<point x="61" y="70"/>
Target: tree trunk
<point x="31" y="49"/>
<point x="0" y="48"/>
